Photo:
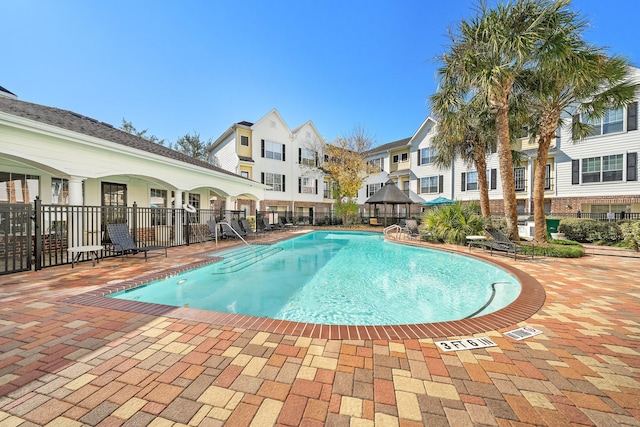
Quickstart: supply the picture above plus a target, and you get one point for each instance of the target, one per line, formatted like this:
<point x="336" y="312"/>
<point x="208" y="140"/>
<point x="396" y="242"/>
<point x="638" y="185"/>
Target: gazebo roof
<point x="389" y="194"/>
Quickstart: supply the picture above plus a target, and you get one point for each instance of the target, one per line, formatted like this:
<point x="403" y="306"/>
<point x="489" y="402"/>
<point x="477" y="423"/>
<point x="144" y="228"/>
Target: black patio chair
<point x="123" y="242"/>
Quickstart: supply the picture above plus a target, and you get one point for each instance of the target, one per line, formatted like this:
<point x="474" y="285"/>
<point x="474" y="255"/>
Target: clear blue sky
<point x="174" y="67"/>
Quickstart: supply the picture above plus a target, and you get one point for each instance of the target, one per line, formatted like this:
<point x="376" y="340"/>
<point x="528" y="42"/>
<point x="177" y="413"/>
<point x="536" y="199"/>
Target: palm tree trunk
<point x="540" y="223"/>
<point x="506" y="171"/>
<point x="481" y="166"/>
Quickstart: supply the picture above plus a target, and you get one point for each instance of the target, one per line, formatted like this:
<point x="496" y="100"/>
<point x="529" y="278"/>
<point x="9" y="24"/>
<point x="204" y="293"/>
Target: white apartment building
<point x="285" y="159"/>
<point x="595" y="177"/>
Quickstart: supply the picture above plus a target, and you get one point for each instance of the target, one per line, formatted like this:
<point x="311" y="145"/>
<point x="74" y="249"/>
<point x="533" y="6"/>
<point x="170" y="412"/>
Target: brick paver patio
<point x="72" y="364"/>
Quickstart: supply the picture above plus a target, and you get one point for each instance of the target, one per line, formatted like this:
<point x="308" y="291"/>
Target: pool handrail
<point x="236" y="233"/>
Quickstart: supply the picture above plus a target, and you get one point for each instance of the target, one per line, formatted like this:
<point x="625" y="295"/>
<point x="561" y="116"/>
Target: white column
<point x="74" y="223"/>
<point x="75" y="190"/>
<point x="177" y="227"/>
<point x="227" y="206"/>
<point x="530" y="164"/>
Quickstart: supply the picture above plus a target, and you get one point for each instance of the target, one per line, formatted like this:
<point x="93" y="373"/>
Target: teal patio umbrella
<point x="438" y="201"/>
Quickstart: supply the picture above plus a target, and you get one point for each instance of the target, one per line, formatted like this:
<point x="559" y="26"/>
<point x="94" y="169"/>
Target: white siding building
<point x="284" y="159"/>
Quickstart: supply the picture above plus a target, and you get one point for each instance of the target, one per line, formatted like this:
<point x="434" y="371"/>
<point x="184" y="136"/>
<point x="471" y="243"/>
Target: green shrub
<point x="577" y="229"/>
<point x="562" y="251"/>
<point x="631" y="234"/>
<point x="559" y="249"/>
<point x="453" y="223"/>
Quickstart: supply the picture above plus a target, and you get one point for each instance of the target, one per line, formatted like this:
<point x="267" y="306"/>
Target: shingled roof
<point x="389" y="146"/>
<point x="75" y="122"/>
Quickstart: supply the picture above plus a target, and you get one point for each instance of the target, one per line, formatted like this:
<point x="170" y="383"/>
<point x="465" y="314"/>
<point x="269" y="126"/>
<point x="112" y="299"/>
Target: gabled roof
<point x="389" y="146"/>
<point x="5" y="92"/>
<point x="75" y="122"/>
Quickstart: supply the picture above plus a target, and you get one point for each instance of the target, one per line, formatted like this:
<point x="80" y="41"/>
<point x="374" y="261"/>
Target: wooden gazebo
<point x="389" y="194"/>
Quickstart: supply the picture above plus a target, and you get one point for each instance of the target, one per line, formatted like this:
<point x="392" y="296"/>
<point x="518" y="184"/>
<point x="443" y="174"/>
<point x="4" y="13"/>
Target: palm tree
<point x="488" y="54"/>
<point x="465" y="130"/>
<point x="579" y="78"/>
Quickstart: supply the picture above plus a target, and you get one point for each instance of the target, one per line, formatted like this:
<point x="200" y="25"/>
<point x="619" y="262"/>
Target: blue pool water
<point x="347" y="278"/>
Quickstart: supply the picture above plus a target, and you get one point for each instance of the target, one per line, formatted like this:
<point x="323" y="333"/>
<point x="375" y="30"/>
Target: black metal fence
<point x="15" y="238"/>
<point x="39" y="236"/>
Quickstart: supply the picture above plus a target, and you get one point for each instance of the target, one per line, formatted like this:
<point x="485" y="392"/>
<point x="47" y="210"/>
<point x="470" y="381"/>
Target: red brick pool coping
<point x="530" y="300"/>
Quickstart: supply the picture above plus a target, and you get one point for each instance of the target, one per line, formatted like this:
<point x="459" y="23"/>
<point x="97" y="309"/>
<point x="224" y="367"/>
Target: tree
<point x="192" y="146"/>
<point x="465" y="130"/>
<point x="488" y="53"/>
<point x="581" y="78"/>
<point x="345" y="164"/>
<point x="130" y="128"/>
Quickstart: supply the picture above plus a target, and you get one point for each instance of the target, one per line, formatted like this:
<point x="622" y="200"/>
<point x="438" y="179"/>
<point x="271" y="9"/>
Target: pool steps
<point x="237" y="259"/>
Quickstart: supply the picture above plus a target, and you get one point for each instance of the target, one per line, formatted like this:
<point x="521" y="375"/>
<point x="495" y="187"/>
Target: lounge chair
<point x="227" y="231"/>
<point x="266" y="225"/>
<point x="501" y="243"/>
<point x="282" y="224"/>
<point x="236" y="227"/>
<point x="411" y="229"/>
<point x="123" y="242"/>
<point x="248" y="229"/>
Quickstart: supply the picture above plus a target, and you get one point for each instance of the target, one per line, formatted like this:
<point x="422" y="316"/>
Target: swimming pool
<point x="346" y="278"/>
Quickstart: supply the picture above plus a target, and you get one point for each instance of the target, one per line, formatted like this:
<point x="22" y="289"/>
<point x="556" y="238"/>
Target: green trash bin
<point x="552" y="226"/>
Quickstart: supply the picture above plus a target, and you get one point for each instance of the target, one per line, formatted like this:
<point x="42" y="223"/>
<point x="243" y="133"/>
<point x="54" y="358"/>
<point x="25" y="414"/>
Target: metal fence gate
<point x="16" y="240"/>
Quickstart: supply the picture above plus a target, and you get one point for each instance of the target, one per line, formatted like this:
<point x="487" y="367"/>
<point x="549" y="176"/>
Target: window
<point x="194" y="200"/>
<point x="158" y="200"/>
<point x="307" y="185"/>
<point x="520" y="177"/>
<point x="427" y="156"/>
<point x="429" y="184"/>
<point x="272" y="150"/>
<point x="373" y="189"/>
<point x="114" y="194"/>
<point x="547" y="177"/>
<point x="59" y="191"/>
<point x="18" y="187"/>
<point x="472" y="180"/>
<point x="404" y="157"/>
<point x="307" y="157"/>
<point x="611" y="122"/>
<point x="244" y="140"/>
<point x="375" y="165"/>
<point x="244" y="174"/>
<point x="602" y="169"/>
<point x="275" y="180"/>
<point x="612" y="168"/>
<point x="395" y="158"/>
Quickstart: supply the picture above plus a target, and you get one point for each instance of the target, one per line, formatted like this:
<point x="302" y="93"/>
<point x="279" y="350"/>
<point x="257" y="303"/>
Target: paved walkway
<point x="67" y="364"/>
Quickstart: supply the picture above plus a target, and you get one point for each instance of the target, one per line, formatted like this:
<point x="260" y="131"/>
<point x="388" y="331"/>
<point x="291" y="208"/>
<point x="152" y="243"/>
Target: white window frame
<point x="242" y="139"/>
<point x="307" y="157"/>
<point x="520" y="178"/>
<point x="373" y="189"/>
<point x="429" y="184"/>
<point x="427" y="155"/>
<point x="404" y="157"/>
<point x="274" y="180"/>
<point x="376" y="165"/>
<point x="602" y="169"/>
<point x="272" y="150"/>
<point x="611" y="122"/>
<point x="307" y="185"/>
<point x="468" y="181"/>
